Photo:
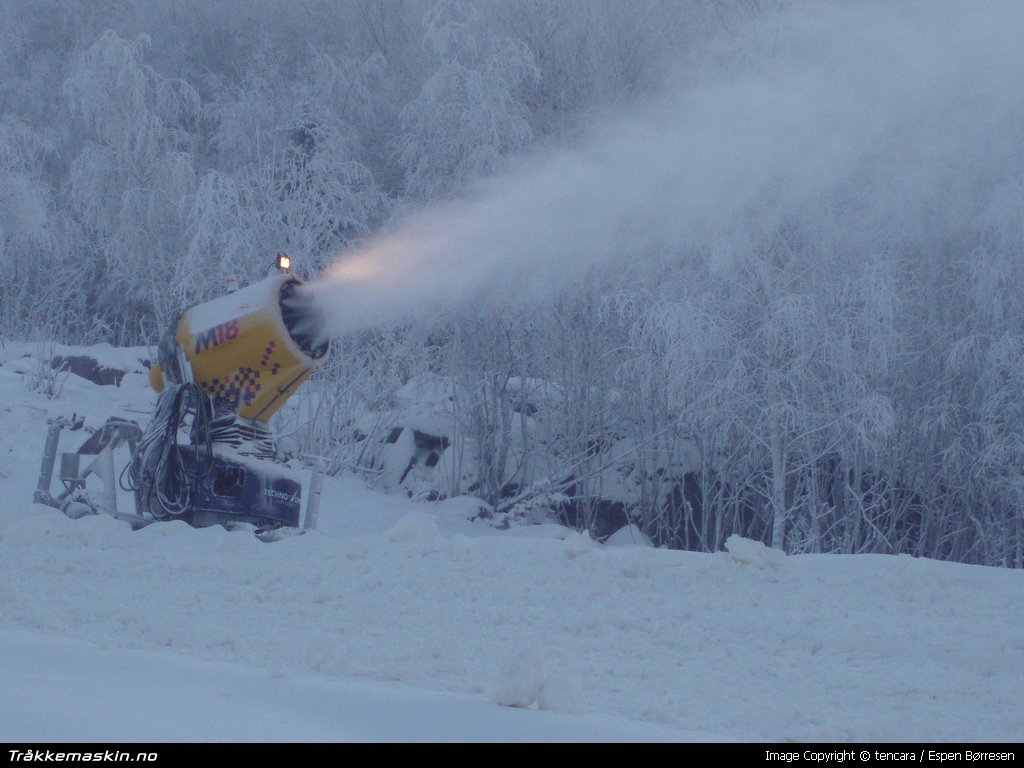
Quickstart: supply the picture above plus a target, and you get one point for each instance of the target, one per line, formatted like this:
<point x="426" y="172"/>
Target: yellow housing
<point x="251" y="349"/>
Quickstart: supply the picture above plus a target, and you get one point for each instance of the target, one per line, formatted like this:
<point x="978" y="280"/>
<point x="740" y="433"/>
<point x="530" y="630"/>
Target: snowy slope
<point x="406" y="621"/>
<point x="155" y="696"/>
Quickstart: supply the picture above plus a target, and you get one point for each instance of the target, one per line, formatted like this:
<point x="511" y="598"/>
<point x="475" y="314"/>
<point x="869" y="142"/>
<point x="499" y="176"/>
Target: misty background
<point x="707" y="267"/>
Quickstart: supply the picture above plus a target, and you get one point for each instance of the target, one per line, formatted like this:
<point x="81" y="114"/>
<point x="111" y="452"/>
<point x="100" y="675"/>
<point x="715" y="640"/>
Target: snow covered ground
<point x="156" y="696"/>
<point x="402" y="621"/>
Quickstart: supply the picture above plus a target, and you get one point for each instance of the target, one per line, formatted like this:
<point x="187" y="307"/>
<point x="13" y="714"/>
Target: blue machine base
<point x="246" y="490"/>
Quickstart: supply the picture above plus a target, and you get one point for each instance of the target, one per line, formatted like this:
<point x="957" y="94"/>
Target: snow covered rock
<point x="754" y="553"/>
<point x="397" y="457"/>
<point x="520" y="679"/>
<point x="577" y="544"/>
<point x="88" y="368"/>
<point x="629" y="536"/>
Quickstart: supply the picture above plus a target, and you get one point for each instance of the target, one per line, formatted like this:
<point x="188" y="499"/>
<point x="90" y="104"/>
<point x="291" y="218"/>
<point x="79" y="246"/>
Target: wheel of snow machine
<point x="78" y="507"/>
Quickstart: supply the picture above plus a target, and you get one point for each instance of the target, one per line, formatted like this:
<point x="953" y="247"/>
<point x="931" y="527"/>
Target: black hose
<point x="157" y="468"/>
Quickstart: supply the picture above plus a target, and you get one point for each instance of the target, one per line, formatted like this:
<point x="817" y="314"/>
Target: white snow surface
<point x="407" y="621"/>
<point x="145" y="695"/>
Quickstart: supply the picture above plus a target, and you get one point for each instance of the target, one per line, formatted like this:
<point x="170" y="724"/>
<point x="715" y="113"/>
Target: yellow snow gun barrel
<point x="249" y="350"/>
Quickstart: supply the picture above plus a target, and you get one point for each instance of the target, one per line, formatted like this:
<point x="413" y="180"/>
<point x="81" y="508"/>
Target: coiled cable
<point x="159" y="469"/>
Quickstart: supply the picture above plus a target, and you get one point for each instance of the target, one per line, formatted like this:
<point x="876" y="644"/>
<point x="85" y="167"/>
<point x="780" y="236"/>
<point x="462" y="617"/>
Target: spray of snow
<point x="882" y="118"/>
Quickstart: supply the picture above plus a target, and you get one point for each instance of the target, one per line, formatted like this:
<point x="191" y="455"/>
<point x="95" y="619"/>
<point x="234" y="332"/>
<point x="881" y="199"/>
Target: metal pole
<point x="313" y="505"/>
<point x="42" y="494"/>
<point x="103" y="467"/>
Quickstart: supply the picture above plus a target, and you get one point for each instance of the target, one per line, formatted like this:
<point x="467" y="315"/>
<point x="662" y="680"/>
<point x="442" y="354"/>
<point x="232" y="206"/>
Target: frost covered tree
<point x="28" y="231"/>
<point x="127" y="182"/>
<point x="293" y="180"/>
<point x="468" y="114"/>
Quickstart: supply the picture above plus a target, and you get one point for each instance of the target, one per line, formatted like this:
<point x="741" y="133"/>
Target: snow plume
<point x="871" y="121"/>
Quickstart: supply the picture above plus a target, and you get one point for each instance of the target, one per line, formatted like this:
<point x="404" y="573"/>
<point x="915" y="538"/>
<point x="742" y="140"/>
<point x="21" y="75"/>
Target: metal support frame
<point x="101" y="445"/>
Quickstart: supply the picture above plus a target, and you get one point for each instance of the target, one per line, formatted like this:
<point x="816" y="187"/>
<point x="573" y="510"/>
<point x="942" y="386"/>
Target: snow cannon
<point x="248" y="351"/>
<point x="209" y="456"/>
<point x="225" y="368"/>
